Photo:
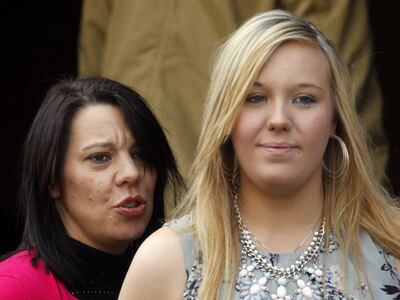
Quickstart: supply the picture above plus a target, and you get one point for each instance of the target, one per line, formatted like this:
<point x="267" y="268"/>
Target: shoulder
<point x="18" y="266"/>
<point x="157" y="270"/>
<point x="15" y="274"/>
<point x="19" y="279"/>
<point x="380" y="264"/>
<point x="12" y="276"/>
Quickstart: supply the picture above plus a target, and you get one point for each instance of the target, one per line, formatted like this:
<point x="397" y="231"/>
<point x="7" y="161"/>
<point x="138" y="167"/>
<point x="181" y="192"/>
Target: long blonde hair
<point x="353" y="202"/>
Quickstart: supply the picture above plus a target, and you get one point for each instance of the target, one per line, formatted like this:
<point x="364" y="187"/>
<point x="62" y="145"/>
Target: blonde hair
<point x="355" y="201"/>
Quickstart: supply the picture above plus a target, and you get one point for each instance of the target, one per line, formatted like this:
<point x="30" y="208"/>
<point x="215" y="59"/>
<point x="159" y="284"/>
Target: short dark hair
<point x="43" y="160"/>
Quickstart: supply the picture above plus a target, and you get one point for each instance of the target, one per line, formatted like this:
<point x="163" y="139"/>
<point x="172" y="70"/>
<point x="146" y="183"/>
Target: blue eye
<point x="256" y="98"/>
<point x="100" y="158"/>
<point x="304" y="100"/>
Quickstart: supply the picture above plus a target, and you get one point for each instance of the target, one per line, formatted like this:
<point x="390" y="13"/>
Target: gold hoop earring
<point x="345" y="161"/>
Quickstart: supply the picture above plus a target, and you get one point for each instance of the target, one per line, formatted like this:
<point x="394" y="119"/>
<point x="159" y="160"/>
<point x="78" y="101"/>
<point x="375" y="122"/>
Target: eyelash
<point x="256" y="98"/>
<point x="101" y="158"/>
<point x="304" y="100"/>
<point x="94" y="158"/>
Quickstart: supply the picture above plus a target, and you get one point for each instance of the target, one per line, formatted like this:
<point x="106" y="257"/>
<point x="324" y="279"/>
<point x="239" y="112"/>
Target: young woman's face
<point x="283" y="127"/>
<point x="105" y="198"/>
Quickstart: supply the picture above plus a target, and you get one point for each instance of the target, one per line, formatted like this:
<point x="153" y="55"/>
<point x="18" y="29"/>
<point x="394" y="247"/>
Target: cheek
<point x="101" y="184"/>
<point x="318" y="135"/>
<point x="99" y="189"/>
<point x="88" y="189"/>
<point x="245" y="129"/>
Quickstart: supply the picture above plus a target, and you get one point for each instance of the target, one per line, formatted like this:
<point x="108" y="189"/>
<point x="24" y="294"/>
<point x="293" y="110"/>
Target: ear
<point x="55" y="192"/>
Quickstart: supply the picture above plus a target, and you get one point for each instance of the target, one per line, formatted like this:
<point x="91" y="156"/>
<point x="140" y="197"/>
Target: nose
<point x="279" y="117"/>
<point x="129" y="170"/>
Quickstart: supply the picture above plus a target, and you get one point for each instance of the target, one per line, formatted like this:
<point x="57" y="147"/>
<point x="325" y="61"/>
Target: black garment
<point x="105" y="272"/>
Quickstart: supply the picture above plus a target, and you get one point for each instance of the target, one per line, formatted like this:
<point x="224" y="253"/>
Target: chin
<point x="278" y="180"/>
<point x="278" y="183"/>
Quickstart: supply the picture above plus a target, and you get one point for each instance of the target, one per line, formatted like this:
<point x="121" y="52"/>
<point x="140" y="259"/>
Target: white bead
<point x="282" y="281"/>
<point x="300" y="283"/>
<point x="288" y="298"/>
<point x="319" y="272"/>
<point x="274" y="297"/>
<point x="281" y="291"/>
<point x="243" y="272"/>
<point x="310" y="270"/>
<point x="262" y="281"/>
<point x="307" y="292"/>
<point x="250" y="268"/>
<point x="255" y="289"/>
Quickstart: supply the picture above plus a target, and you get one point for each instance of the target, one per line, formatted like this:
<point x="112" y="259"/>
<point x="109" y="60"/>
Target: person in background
<point x="284" y="202"/>
<point x="95" y="169"/>
<point x="173" y="48"/>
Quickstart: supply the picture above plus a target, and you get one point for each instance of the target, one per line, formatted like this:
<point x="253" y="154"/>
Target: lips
<point x="132" y="206"/>
<point x="278" y="147"/>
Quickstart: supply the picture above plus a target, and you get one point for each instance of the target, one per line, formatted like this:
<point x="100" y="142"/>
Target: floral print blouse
<point x="323" y="278"/>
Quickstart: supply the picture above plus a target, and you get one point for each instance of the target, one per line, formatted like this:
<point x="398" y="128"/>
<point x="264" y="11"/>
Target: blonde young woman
<point x="284" y="203"/>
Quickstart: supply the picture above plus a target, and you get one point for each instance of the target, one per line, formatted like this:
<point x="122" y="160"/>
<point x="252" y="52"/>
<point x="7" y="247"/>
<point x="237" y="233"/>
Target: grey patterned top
<point x="252" y="284"/>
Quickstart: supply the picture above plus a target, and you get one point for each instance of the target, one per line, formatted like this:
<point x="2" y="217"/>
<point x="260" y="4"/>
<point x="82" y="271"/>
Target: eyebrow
<point x="98" y="145"/>
<point x="310" y="85"/>
<point x="300" y="85"/>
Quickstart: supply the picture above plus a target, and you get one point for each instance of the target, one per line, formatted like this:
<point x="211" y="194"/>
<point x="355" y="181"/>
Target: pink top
<point x="20" y="280"/>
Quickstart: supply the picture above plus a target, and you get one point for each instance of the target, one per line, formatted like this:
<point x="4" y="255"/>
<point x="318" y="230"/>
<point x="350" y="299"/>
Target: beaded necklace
<point x="283" y="276"/>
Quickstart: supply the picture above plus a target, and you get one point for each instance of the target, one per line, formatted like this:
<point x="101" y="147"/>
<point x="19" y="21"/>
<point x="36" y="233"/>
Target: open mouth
<point x="130" y="204"/>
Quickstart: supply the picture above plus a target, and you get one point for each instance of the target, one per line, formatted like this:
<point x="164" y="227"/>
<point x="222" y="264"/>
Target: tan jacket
<point x="162" y="48"/>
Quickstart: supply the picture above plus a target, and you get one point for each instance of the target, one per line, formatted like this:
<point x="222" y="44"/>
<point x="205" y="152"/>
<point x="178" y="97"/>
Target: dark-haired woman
<point x="95" y="167"/>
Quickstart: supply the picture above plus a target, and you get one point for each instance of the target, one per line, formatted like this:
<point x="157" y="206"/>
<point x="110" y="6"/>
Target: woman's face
<point x="283" y="127"/>
<point x="105" y="198"/>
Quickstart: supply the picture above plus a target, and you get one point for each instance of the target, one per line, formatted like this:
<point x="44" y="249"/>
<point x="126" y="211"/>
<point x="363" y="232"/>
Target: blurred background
<point x="39" y="45"/>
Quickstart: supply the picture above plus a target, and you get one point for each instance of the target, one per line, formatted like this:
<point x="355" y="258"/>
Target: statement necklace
<point x="283" y="277"/>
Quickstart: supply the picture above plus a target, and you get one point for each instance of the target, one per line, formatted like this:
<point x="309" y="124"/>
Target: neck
<point x="282" y="219"/>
